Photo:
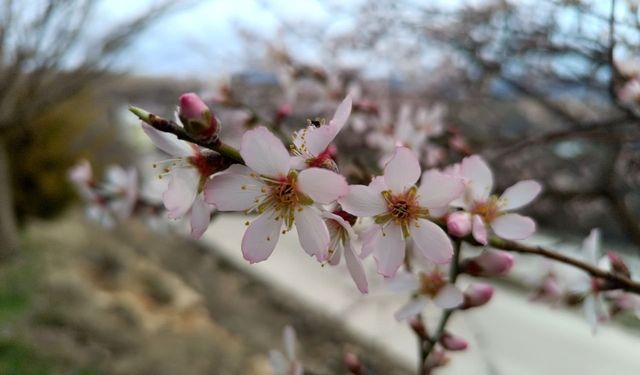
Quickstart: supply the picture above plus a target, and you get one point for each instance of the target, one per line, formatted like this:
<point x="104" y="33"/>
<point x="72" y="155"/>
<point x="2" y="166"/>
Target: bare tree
<point x="45" y="58"/>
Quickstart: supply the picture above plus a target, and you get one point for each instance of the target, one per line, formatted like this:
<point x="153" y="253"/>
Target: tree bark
<point x="8" y="227"/>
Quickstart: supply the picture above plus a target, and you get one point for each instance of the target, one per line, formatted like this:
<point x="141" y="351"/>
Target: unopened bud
<point x="489" y="263"/>
<point x="417" y="325"/>
<point x="477" y="295"/>
<point x="453" y="343"/>
<point x="438" y="358"/>
<point x="459" y="224"/>
<point x="354" y="366"/>
<point x="196" y="117"/>
<point x="618" y="265"/>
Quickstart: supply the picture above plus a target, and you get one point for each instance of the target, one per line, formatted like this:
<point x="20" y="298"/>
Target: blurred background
<point x="546" y="89"/>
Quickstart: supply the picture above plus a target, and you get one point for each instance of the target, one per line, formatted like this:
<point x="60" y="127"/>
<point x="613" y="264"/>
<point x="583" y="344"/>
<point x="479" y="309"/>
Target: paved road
<point x="509" y="336"/>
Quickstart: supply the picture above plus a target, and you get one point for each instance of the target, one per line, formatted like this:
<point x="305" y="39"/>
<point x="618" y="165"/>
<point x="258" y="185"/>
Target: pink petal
<point x="322" y="185"/>
<point x="200" y="216"/>
<point x="233" y="189"/>
<point x="181" y="192"/>
<point x="356" y="270"/>
<point x="389" y="250"/>
<point x="261" y="237"/>
<point x="312" y="232"/>
<point x="412" y="308"/>
<point x="369" y="240"/>
<point x="591" y="245"/>
<point x="449" y="297"/>
<point x="479" y="230"/>
<point x="438" y="189"/>
<point x="513" y="226"/>
<point x="432" y="241"/>
<point x="315" y="140"/>
<point x="342" y="114"/>
<point x="520" y="194"/>
<point x="168" y="143"/>
<point x="377" y="183"/>
<point x="264" y="152"/>
<point x="478" y="175"/>
<point x="334" y="259"/>
<point x="402" y="171"/>
<point x="363" y="201"/>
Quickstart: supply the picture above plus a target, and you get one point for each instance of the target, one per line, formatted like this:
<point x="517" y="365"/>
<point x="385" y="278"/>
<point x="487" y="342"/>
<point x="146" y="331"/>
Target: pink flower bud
<point x="459" y="224"/>
<point x="453" y="343"/>
<point x="196" y="117"/>
<point x="353" y="364"/>
<point x="489" y="263"/>
<point x="477" y="295"/>
<point x="618" y="265"/>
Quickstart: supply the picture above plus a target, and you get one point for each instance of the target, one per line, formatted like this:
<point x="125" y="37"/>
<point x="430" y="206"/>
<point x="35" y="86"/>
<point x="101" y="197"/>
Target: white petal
<point x="412" y="308"/>
<point x="402" y="171"/>
<point x="479" y="229"/>
<point x="478" y="175"/>
<point x="261" y="237"/>
<point x="167" y="142"/>
<point x="322" y="185"/>
<point x="278" y="362"/>
<point x="520" y="194"/>
<point x="233" y="189"/>
<point x="438" y="189"/>
<point x="590" y="312"/>
<point x="432" y="241"/>
<point x="312" y="232"/>
<point x="591" y="245"/>
<point x="363" y="201"/>
<point x="513" y="226"/>
<point x="369" y="239"/>
<point x="403" y="282"/>
<point x="316" y="140"/>
<point x="449" y="297"/>
<point x="181" y="192"/>
<point x="264" y="152"/>
<point x="289" y="336"/>
<point x="356" y="270"/>
<point x="342" y="114"/>
<point x="200" y="217"/>
<point x="389" y="250"/>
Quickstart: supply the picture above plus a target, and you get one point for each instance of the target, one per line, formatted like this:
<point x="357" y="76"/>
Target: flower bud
<point x="459" y="224"/>
<point x="453" y="343"/>
<point x="489" y="263"/>
<point x="196" y="117"/>
<point x="353" y="364"/>
<point x="477" y="295"/>
<point x="618" y="265"/>
<point x="282" y="113"/>
<point x="417" y="325"/>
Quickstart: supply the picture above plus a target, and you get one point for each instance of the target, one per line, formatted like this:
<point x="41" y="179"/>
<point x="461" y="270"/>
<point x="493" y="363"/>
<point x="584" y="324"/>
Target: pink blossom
<point x="279" y="194"/>
<point x="477" y="295"/>
<point x="489" y="263"/>
<point x="431" y="284"/>
<point x="402" y="211"/>
<point x="491" y="211"/>
<point x="122" y="186"/>
<point x="310" y="144"/>
<point x="343" y="241"/>
<point x="188" y="171"/>
<point x="81" y="176"/>
<point x="287" y="363"/>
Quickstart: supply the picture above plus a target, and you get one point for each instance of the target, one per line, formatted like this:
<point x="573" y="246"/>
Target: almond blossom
<point x="402" y="211"/>
<point x="280" y="195"/>
<point x="188" y="171"/>
<point x="593" y="305"/>
<point x="310" y="145"/>
<point x="343" y="241"/>
<point x="425" y="286"/>
<point x="487" y="211"/>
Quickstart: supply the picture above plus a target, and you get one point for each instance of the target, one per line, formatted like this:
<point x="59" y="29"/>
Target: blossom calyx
<point x="197" y="118"/>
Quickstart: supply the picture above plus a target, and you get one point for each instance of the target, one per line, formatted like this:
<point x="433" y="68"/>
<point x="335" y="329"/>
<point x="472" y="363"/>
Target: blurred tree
<point x="45" y="59"/>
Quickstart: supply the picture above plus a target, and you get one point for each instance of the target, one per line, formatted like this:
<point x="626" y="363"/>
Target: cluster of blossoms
<point x="600" y="299"/>
<point x="411" y="221"/>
